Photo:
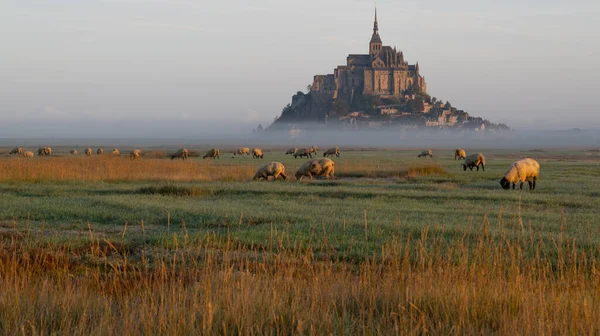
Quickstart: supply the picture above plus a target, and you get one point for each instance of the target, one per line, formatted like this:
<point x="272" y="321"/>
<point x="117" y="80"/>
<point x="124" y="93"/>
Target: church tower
<point x="375" y="45"/>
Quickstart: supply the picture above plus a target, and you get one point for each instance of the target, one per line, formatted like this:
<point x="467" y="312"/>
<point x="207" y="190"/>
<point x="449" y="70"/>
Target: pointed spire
<point x="376" y="25"/>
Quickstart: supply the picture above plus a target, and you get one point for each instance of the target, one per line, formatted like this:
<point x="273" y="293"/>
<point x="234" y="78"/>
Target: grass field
<point x="394" y="245"/>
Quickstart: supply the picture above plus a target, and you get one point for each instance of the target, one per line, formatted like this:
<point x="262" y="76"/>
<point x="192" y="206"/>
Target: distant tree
<point x="447" y="105"/>
<point x="259" y="128"/>
<point x="341" y="108"/>
<point x="434" y="100"/>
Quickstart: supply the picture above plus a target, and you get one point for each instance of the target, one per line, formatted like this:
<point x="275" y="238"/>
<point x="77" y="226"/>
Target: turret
<point x="375" y="45"/>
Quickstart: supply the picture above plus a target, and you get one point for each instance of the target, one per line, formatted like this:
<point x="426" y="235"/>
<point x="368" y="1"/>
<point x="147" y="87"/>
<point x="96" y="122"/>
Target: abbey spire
<point x="375" y="44"/>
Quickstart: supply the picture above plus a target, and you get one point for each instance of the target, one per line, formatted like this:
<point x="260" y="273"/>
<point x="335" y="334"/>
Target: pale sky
<point x="211" y="65"/>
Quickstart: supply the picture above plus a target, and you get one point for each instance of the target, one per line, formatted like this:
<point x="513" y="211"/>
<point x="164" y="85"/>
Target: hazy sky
<point x="89" y="67"/>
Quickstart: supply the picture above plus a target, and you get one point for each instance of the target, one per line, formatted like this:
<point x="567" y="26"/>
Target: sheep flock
<point x="519" y="172"/>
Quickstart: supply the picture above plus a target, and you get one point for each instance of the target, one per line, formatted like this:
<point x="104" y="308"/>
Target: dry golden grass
<point x="371" y="169"/>
<point x="108" y="168"/>
<point x="204" y="285"/>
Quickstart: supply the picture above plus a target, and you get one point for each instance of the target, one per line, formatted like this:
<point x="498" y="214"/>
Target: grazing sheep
<point x="521" y="171"/>
<point x="460" y="154"/>
<point x="99" y="151"/>
<point x="331" y="152"/>
<point x="426" y="153"/>
<point x="74" y="151"/>
<point x="135" y="154"/>
<point x="322" y="167"/>
<point x="291" y="151"/>
<point x="242" y="151"/>
<point x="212" y="154"/>
<point x="88" y="151"/>
<point x="314" y="149"/>
<point x="180" y="154"/>
<point x="474" y="160"/>
<point x="17" y="150"/>
<point x="274" y="169"/>
<point x="48" y="150"/>
<point x="44" y="151"/>
<point x="257" y="153"/>
<point x="28" y="154"/>
<point x="303" y="152"/>
<point x="116" y="152"/>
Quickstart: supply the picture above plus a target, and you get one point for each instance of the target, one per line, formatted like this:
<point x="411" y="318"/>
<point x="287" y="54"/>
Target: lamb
<point x="426" y="153"/>
<point x="474" y="160"/>
<point x="28" y="154"/>
<point x="17" y="150"/>
<point x="135" y="154"/>
<point x="100" y="151"/>
<point x="521" y="171"/>
<point x="257" y="153"/>
<point x="460" y="154"/>
<point x="88" y="151"/>
<point x="74" y="151"/>
<point x="322" y="167"/>
<point x="303" y="152"/>
<point x="332" y="151"/>
<point x="212" y="154"/>
<point x="291" y="151"/>
<point x="116" y="152"/>
<point x="181" y="154"/>
<point x="242" y="151"/>
<point x="274" y="169"/>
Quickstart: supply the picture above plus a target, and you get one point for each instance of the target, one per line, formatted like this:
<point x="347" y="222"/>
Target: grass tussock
<point x="107" y="168"/>
<point x="386" y="170"/>
<point x="211" y="285"/>
<point x="430" y="169"/>
<point x="171" y="190"/>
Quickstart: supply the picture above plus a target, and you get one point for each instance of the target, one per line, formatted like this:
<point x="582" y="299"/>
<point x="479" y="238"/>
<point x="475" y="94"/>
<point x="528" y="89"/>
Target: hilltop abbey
<point x="382" y="72"/>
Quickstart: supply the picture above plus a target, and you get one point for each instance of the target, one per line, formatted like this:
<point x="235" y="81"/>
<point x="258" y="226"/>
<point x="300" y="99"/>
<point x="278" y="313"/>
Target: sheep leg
<point x="521" y="186"/>
<point x="514" y="185"/>
<point x="482" y="167"/>
<point x="530" y="184"/>
<point x="534" y="179"/>
<point x="283" y="176"/>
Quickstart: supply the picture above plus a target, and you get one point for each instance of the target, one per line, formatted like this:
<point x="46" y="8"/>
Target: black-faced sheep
<point x="303" y="152"/>
<point x="242" y="151"/>
<point x="180" y="154"/>
<point x="474" y="160"/>
<point x="257" y="153"/>
<point x="99" y="151"/>
<point x="426" y="153"/>
<point x="212" y="154"/>
<point x="116" y="152"/>
<point x="135" y="154"/>
<point x="291" y="151"/>
<point x="521" y="171"/>
<point x="275" y="169"/>
<point x="44" y="151"/>
<point x="88" y="151"/>
<point x="460" y="154"/>
<point x="331" y="152"/>
<point x="322" y="167"/>
<point x="74" y="152"/>
<point x="17" y="150"/>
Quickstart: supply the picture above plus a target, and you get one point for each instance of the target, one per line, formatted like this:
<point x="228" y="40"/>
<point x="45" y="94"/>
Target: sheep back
<point x="275" y="169"/>
<point x="521" y="171"/>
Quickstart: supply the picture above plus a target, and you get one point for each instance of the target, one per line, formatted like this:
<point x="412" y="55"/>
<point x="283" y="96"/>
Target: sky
<point x="190" y="67"/>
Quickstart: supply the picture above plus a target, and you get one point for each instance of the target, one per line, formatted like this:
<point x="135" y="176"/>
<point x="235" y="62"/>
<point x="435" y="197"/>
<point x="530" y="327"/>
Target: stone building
<point x="382" y="72"/>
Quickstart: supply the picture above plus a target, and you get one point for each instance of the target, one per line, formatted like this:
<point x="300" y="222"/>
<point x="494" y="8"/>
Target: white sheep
<point x="100" y="151"/>
<point x="74" y="152"/>
<point x="291" y="151"/>
<point x="474" y="160"/>
<point x="181" y="154"/>
<point x="116" y="152"/>
<point x="303" y="152"/>
<point x="88" y="151"/>
<point x="242" y="151"/>
<point x="521" y="171"/>
<point x="17" y="150"/>
<point x="135" y="154"/>
<point x="460" y="154"/>
<point x="275" y="169"/>
<point x="426" y="153"/>
<point x="257" y="153"/>
<point x="212" y="154"/>
<point x="322" y="167"/>
<point x="28" y="154"/>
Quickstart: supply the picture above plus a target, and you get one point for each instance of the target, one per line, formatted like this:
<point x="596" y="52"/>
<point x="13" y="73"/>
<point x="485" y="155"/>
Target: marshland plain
<point x="396" y="244"/>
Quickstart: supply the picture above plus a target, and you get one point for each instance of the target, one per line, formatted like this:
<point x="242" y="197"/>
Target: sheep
<point x="74" y="151"/>
<point x="242" y="151"/>
<point x="291" y="151"/>
<point x="303" y="152"/>
<point x="426" y="153"/>
<point x="474" y="160"/>
<point x="257" y="153"/>
<point x="332" y="151"/>
<point x="88" y="151"/>
<point x="48" y="150"/>
<point x="180" y="154"/>
<point x="274" y="169"/>
<point x="521" y="171"/>
<point x="28" y="154"/>
<point x="135" y="154"/>
<point x="314" y="149"/>
<point x="322" y="167"/>
<point x="116" y="152"/>
<point x="212" y="154"/>
<point x="44" y="151"/>
<point x="17" y="150"/>
<point x="99" y="151"/>
<point x="460" y="154"/>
